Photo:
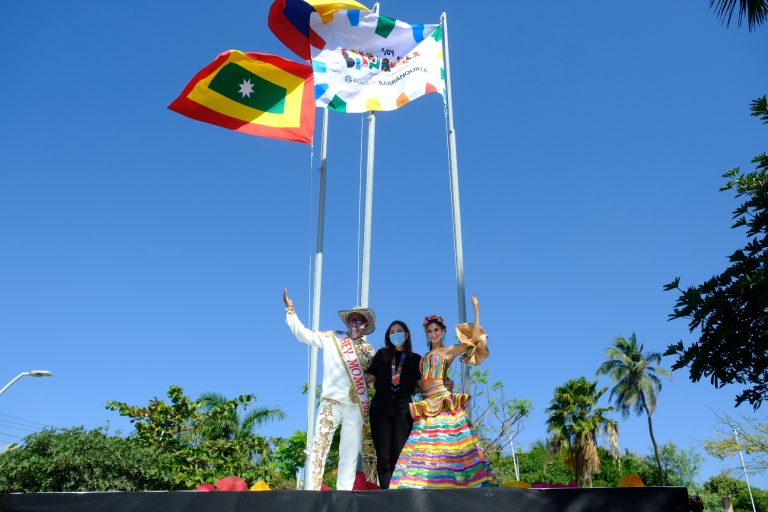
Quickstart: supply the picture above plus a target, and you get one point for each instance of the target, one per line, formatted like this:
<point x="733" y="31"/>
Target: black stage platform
<point x="625" y="499"/>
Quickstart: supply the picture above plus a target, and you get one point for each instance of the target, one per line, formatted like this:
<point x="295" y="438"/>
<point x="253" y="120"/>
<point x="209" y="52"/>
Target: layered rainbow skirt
<point x="442" y="451"/>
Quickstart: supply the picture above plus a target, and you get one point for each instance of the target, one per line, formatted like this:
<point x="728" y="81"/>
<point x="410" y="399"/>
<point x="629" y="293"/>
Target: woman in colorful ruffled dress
<point x="443" y="451"/>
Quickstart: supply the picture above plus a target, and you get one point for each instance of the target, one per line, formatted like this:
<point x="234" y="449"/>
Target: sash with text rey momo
<point x="351" y="359"/>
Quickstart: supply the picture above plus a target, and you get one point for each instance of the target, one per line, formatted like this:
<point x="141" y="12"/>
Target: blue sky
<point x="141" y="249"/>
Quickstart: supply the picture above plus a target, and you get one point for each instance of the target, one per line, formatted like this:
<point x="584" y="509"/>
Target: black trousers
<point x="391" y="425"/>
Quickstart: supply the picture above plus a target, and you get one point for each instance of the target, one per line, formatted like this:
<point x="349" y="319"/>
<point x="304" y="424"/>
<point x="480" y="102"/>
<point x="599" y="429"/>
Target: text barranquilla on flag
<point x="371" y="62"/>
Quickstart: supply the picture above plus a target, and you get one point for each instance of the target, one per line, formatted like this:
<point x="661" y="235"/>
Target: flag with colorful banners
<point x="371" y="62"/>
<point x="254" y="93"/>
<point x="289" y="21"/>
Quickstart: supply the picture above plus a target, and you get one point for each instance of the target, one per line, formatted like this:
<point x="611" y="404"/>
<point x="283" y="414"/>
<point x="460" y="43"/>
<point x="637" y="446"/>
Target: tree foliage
<point x="289" y="454"/>
<point x="755" y="11"/>
<point x="75" y="460"/>
<point x="612" y="468"/>
<point x="232" y="424"/>
<point x="575" y="422"/>
<point x="681" y="466"/>
<point x="496" y="417"/>
<point x="635" y="374"/>
<point x="720" y="486"/>
<point x="753" y="440"/>
<point x="540" y="465"/>
<point x="731" y="309"/>
<point x="188" y="454"/>
<point x="536" y="465"/>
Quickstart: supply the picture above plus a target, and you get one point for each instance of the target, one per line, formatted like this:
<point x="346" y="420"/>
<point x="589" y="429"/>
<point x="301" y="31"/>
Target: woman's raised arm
<point x="476" y="325"/>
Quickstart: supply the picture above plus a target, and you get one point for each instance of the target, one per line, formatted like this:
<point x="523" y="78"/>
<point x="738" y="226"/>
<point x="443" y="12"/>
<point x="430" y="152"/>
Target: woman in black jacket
<point x="396" y="371"/>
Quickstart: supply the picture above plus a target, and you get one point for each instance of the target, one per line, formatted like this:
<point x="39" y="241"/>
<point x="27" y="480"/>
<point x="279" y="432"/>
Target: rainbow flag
<point x="254" y="93"/>
<point x="289" y="21"/>
<point x="371" y="62"/>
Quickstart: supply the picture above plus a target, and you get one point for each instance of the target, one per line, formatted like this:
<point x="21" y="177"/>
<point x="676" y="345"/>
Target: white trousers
<point x="330" y="415"/>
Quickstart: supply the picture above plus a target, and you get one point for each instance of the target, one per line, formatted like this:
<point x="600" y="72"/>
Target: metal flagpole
<point x="455" y="203"/>
<point x="365" y="280"/>
<point x="746" y="477"/>
<point x="366" y="272"/>
<point x="316" y="292"/>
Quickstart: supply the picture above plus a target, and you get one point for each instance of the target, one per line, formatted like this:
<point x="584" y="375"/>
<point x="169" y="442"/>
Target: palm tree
<point x="230" y="424"/>
<point x="574" y="424"/>
<point x="756" y="11"/>
<point x="636" y="377"/>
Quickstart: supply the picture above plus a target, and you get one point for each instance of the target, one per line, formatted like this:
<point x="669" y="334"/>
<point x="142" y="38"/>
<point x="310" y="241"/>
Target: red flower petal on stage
<point x="232" y="483"/>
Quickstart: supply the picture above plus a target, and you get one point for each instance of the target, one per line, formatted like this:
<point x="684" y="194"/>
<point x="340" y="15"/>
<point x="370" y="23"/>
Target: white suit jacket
<point x="336" y="382"/>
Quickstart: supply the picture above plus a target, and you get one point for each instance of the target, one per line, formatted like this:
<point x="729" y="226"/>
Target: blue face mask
<point x="397" y="338"/>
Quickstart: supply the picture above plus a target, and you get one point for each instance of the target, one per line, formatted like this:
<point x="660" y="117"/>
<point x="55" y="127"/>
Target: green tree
<point x="574" y="424"/>
<point x="636" y="382"/>
<point x="753" y="440"/>
<point x="681" y="466"/>
<point x="725" y="486"/>
<point x="496" y="417"/>
<point x="540" y="465"/>
<point x="288" y="455"/>
<point x="611" y="469"/>
<point x="186" y="455"/>
<point x="288" y="458"/>
<point x="232" y="424"/>
<point x="633" y="463"/>
<point x="536" y="466"/>
<point x="756" y="11"/>
<point x="729" y="309"/>
<point x="75" y="460"/>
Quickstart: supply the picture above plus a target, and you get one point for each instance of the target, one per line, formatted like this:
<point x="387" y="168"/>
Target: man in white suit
<point x="344" y="400"/>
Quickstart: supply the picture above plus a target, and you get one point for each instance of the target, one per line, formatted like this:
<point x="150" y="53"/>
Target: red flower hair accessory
<point x="433" y="318"/>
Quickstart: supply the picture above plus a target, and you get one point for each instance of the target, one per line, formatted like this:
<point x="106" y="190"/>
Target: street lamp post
<point x="31" y="373"/>
<point x="744" y="467"/>
<point x="514" y="457"/>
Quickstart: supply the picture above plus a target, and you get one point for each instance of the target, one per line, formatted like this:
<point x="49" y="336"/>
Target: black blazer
<point x="382" y="370"/>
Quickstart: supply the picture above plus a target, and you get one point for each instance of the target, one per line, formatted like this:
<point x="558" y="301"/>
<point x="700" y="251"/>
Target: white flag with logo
<point x="371" y="62"/>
